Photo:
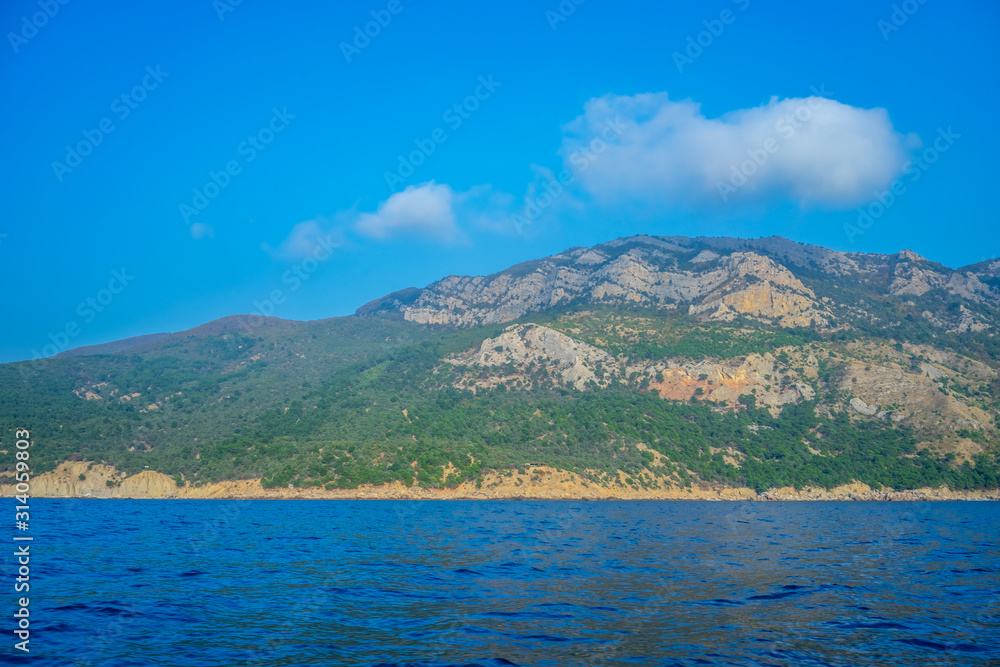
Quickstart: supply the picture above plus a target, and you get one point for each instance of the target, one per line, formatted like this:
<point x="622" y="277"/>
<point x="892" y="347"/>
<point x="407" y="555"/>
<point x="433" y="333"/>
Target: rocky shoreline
<point x="83" y="480"/>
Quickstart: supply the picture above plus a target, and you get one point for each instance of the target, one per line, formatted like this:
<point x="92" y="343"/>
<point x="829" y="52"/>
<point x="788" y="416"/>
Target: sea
<point x="435" y="583"/>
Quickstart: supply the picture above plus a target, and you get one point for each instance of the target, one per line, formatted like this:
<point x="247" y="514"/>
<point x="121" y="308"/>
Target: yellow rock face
<point x="764" y="300"/>
<point x="539" y="482"/>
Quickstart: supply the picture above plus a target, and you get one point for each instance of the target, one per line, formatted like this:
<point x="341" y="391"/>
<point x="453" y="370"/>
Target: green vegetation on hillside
<point x="352" y="401"/>
<point x="641" y="333"/>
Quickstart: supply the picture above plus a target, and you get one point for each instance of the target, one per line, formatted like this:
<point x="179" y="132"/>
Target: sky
<point x="167" y="163"/>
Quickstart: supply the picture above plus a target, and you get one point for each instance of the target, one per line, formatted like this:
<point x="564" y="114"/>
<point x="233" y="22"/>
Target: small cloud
<point x="427" y="210"/>
<point x="201" y="231"/>
<point x="306" y="239"/>
<point x="815" y="151"/>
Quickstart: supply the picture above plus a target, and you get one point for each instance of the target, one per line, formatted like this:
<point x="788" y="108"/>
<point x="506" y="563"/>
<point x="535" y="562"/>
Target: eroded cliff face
<point x="721" y="288"/>
<point x="521" y="352"/>
<point x="75" y="479"/>
<point x="939" y="396"/>
<point x="914" y="275"/>
<point x="723" y="383"/>
<point x="537" y="482"/>
<point x="520" y="348"/>
<point x="764" y="301"/>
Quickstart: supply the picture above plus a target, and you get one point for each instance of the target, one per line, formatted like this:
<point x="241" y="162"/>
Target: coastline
<point x="541" y="483"/>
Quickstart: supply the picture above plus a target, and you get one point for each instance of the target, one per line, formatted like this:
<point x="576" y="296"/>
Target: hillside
<point x="646" y="363"/>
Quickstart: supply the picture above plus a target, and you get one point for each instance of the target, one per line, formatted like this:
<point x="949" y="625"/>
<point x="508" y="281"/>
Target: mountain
<point x="773" y="280"/>
<point x="114" y="347"/>
<point x="647" y="363"/>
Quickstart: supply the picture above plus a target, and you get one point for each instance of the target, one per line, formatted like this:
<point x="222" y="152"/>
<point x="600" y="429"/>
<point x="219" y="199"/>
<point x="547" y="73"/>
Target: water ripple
<point x="436" y="584"/>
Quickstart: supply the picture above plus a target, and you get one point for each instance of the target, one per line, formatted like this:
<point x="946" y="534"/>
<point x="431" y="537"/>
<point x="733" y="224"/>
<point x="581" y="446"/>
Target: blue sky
<point x="647" y="113"/>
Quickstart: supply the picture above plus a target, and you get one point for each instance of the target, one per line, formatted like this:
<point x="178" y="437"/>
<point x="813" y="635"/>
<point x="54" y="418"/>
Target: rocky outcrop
<point x="75" y="479"/>
<point x="889" y="390"/>
<point x="764" y="301"/>
<point x="914" y="275"/>
<point x="515" y="357"/>
<point x="724" y="383"/>
<point x="574" y="362"/>
<point x="863" y="408"/>
<point x="536" y="482"/>
<point x="968" y="322"/>
<point x="936" y="395"/>
<point x="718" y="279"/>
<point x="859" y="491"/>
<point x="653" y="274"/>
<point x="762" y="289"/>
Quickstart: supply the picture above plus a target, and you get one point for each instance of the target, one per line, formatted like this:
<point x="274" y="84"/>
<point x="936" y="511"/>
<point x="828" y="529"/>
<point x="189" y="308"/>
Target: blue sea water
<point x="190" y="583"/>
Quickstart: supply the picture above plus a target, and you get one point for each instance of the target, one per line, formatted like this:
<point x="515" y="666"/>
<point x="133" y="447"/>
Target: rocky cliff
<point x="714" y="279"/>
<point x="538" y="482"/>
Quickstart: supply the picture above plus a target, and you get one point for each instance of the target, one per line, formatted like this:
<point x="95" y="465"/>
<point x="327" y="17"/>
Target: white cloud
<point x="426" y="210"/>
<point x="648" y="149"/>
<point x="306" y="239"/>
<point x="814" y="151"/>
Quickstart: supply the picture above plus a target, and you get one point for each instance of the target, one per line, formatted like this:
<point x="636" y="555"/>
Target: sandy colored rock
<point x="538" y="482"/>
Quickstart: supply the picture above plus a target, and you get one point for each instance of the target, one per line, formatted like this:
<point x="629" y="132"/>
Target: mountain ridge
<point x="590" y="274"/>
<point x="644" y="363"/>
<point x="395" y="302"/>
